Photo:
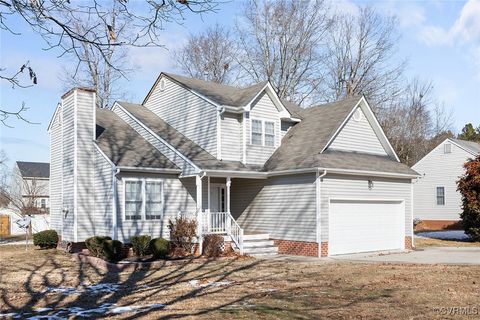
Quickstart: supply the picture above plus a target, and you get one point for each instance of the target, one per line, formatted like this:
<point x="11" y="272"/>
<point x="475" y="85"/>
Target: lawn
<point x="240" y="288"/>
<point x="429" y="242"/>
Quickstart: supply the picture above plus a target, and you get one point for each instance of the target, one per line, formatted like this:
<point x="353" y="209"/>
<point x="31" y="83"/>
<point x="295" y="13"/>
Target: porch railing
<point x="223" y="223"/>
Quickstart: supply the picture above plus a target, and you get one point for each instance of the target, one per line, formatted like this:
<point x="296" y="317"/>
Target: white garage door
<point x="362" y="226"/>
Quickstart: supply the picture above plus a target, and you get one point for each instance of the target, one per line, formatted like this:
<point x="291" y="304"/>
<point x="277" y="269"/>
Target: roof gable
<point x="468" y="147"/>
<point x="357" y="135"/>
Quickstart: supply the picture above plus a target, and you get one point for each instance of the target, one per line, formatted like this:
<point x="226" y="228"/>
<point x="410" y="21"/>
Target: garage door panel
<point x="362" y="226"/>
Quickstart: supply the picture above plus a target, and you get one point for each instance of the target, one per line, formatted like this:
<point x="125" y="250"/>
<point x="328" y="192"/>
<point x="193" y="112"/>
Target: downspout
<point x="220" y="111"/>
<point x="115" y="205"/>
<point x="318" y="204"/>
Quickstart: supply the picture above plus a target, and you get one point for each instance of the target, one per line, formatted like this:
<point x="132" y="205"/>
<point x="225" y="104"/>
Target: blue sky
<point x="441" y="40"/>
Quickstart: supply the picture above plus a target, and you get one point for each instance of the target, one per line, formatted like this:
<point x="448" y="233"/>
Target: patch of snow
<point x="198" y="284"/>
<point x="444" y="235"/>
<point x="91" y="289"/>
<point x="68" y="313"/>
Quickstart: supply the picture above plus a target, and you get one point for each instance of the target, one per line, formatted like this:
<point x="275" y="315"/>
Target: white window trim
<point x="144" y="197"/>
<point x="263" y="132"/>
<point x="444" y="196"/>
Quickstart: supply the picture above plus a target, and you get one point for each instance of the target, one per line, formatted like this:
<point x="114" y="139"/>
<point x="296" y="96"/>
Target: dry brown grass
<point x="265" y="289"/>
<point x="428" y="242"/>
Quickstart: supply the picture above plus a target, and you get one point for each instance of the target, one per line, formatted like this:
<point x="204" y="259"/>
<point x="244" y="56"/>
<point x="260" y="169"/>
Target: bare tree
<point x="210" y="55"/>
<point x="415" y="121"/>
<point x="282" y="42"/>
<point x="56" y="22"/>
<point x="361" y="57"/>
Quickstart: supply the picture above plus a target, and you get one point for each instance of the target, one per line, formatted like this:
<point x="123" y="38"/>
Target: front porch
<point x="215" y="216"/>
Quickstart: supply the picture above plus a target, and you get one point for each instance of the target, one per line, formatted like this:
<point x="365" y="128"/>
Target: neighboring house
<point x="272" y="176"/>
<point x="28" y="195"/>
<point x="437" y="203"/>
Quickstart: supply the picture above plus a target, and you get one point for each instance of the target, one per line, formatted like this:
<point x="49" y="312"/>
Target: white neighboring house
<point x="270" y="176"/>
<point x="29" y="195"/>
<point x="436" y="199"/>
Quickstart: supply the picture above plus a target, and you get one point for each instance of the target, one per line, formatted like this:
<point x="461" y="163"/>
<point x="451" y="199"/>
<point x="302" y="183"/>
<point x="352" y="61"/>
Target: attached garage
<point x="366" y="225"/>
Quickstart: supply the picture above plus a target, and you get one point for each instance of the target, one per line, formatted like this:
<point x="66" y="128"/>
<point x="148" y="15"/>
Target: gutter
<point x="152" y="170"/>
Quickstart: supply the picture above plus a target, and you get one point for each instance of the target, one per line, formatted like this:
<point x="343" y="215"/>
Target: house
<point x="266" y="173"/>
<point x="28" y="195"/>
<point x="437" y="203"/>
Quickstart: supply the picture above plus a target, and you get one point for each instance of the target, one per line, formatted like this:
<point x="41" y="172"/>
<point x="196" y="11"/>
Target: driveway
<point x="430" y="255"/>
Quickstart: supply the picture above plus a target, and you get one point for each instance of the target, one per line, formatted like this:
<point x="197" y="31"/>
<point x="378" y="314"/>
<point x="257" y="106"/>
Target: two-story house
<point x="269" y="175"/>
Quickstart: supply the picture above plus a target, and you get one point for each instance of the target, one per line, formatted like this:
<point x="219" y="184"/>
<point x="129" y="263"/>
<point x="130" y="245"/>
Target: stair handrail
<point x="223" y="222"/>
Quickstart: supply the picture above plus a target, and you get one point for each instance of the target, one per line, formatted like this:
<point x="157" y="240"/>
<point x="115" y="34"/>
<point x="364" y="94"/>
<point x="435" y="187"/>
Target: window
<point x="143" y="199"/>
<point x="154" y="200"/>
<point x="447" y="148"/>
<point x="263" y="133"/>
<point x="133" y="200"/>
<point x="43" y="203"/>
<point x="269" y="133"/>
<point x="257" y="132"/>
<point x="440" y="196"/>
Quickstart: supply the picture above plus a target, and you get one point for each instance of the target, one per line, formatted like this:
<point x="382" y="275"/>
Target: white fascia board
<point x="117" y="105"/>
<point x="383" y="136"/>
<point x="54" y="116"/>
<point x="152" y="170"/>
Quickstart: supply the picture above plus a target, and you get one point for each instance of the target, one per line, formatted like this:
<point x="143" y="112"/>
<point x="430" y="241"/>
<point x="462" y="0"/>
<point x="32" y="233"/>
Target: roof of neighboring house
<point x="229" y="95"/>
<point x="303" y="144"/>
<point x="34" y="169"/>
<point x="124" y="146"/>
<point x="471" y="146"/>
<point x="185" y="146"/>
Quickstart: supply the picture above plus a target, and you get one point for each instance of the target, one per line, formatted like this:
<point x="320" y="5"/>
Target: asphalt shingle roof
<point x="34" y="169"/>
<point x="185" y="146"/>
<point x="124" y="146"/>
<point x="473" y="147"/>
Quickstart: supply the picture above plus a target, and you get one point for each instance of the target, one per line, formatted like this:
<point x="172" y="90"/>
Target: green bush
<point x="112" y="250"/>
<point x="469" y="188"/>
<point x="95" y="245"/>
<point x="140" y="245"/>
<point x="183" y="231"/>
<point x="212" y="245"/>
<point x="46" y="239"/>
<point x="159" y="247"/>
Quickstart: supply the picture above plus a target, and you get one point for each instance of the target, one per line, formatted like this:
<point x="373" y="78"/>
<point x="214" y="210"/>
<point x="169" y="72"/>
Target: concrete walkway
<point x="430" y="255"/>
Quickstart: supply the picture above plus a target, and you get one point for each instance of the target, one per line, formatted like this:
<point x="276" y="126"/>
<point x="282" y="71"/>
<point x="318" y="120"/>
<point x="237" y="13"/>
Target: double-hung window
<point x="143" y="199"/>
<point x="263" y="133"/>
<point x="440" y="196"/>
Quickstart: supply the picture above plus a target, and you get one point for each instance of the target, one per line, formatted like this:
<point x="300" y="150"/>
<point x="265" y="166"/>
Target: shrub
<point x="212" y="245"/>
<point x="95" y="245"/>
<point x="140" y="245"/>
<point x="112" y="250"/>
<point x="46" y="239"/>
<point x="159" y="247"/>
<point x="183" y="231"/>
<point x="469" y="187"/>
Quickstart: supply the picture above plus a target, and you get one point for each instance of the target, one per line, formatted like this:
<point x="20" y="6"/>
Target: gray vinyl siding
<point x="283" y="206"/>
<point x="173" y="156"/>
<point x="179" y="195"/>
<point x="351" y="187"/>
<point x="85" y="165"/>
<point x="231" y="133"/>
<point x="103" y="197"/>
<point x="56" y="168"/>
<point x="68" y="127"/>
<point x="358" y="136"/>
<point x="193" y="116"/>
<point x="262" y="109"/>
<point x="438" y="169"/>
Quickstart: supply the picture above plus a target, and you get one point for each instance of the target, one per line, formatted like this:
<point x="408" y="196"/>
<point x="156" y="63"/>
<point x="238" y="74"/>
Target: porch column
<point x="198" y="182"/>
<point x="199" y="214"/>
<point x="229" y="183"/>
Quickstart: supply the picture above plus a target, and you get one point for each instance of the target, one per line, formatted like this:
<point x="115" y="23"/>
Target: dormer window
<point x="263" y="133"/>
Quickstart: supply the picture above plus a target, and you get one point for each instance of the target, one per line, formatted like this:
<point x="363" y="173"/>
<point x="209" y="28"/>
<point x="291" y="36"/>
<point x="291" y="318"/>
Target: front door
<point x="218" y="198"/>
